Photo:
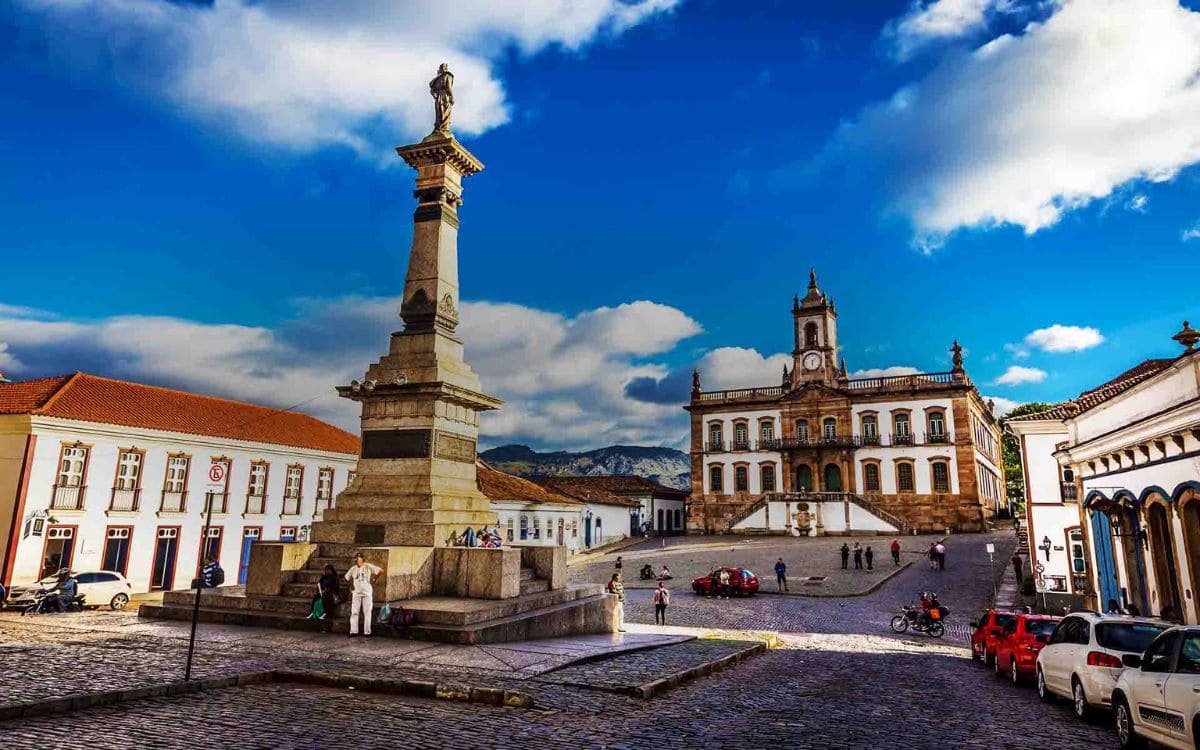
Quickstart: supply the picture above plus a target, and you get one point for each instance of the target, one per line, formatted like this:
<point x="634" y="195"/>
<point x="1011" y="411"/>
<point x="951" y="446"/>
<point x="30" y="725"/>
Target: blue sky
<point x="201" y="195"/>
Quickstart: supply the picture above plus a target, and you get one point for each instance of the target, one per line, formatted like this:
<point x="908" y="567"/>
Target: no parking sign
<point x="216" y="475"/>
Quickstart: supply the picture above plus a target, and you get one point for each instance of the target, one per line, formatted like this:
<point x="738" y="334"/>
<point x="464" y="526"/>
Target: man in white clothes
<point x="361" y="575"/>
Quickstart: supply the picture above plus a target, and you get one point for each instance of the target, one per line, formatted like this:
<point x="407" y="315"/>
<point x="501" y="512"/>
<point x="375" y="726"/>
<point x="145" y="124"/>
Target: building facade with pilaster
<point x="920" y="451"/>
<point x="1126" y="455"/>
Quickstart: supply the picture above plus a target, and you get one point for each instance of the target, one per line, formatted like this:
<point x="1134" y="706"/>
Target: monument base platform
<point x="576" y="609"/>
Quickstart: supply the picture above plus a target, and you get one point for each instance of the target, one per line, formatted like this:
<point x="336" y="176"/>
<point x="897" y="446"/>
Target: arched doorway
<point x="1130" y="526"/>
<point x="1162" y="553"/>
<point x="1106" y="567"/>
<point x="804" y="478"/>
<point x="1189" y="513"/>
<point x="833" y="478"/>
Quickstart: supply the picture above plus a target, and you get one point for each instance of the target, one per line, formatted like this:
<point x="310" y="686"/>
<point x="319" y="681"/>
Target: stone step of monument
<point x="297" y="605"/>
<point x="533" y="586"/>
<point x="527" y="574"/>
<point x="574" y="610"/>
<point x="344" y="514"/>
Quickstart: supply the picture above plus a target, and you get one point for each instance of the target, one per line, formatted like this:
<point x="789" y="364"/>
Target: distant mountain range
<point x="663" y="465"/>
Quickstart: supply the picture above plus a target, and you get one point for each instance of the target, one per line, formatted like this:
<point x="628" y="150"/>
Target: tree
<point x="1014" y="474"/>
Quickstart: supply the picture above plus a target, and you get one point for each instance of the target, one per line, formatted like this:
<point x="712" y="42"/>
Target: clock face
<point x="812" y="361"/>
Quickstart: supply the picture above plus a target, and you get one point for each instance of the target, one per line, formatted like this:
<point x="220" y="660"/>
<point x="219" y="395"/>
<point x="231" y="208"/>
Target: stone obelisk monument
<point x="415" y="484"/>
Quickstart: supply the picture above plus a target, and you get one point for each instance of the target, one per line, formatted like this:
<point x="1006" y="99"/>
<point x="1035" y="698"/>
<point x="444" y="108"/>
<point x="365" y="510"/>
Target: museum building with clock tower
<point x="887" y="454"/>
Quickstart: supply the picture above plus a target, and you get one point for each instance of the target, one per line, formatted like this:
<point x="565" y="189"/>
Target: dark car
<point x="741" y="582"/>
<point x="987" y="631"/>
<point x="1017" y="647"/>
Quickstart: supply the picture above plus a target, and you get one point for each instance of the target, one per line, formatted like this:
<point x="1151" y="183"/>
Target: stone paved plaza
<point x="816" y="560"/>
<point x="839" y="679"/>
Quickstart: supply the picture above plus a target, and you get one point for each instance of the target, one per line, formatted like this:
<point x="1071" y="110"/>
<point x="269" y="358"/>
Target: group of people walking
<point x="861" y="554"/>
<point x="937" y="556"/>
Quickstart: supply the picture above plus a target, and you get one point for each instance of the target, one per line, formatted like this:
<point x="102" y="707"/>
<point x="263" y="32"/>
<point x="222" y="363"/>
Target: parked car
<point x="987" y="631"/>
<point x="741" y="582"/>
<point x="1019" y="644"/>
<point x="1082" y="661"/>
<point x="1158" y="696"/>
<point x="99" y="588"/>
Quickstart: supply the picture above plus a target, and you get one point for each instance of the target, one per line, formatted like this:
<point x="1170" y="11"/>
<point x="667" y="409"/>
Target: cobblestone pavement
<point x="814" y="565"/>
<point x="631" y="670"/>
<point x="965" y="587"/>
<point x="841" y="681"/>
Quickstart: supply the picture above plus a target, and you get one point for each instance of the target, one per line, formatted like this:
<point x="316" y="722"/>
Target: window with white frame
<point x="177" y="471"/>
<point x="766" y="430"/>
<point x="291" y="486"/>
<point x="941" y="476"/>
<point x="830" y="428"/>
<point x="325" y="484"/>
<point x="802" y="430"/>
<point x="937" y="425"/>
<point x="258" y="479"/>
<point x="129" y="470"/>
<point x="508" y="530"/>
<point x="870" y="427"/>
<point x="74" y="461"/>
<point x="901" y="426"/>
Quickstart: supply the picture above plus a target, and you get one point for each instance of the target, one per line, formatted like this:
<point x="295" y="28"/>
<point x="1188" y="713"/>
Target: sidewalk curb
<point x="597" y="552"/>
<point x="414" y="688"/>
<point x="656" y="688"/>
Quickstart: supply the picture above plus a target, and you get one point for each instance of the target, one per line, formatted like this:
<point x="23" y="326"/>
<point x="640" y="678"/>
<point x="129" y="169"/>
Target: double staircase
<point x="537" y="612"/>
<point x="873" y="508"/>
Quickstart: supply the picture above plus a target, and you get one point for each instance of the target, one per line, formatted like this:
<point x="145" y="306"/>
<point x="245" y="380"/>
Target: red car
<point x="1018" y="646"/>
<point x="987" y="632"/>
<point x="741" y="582"/>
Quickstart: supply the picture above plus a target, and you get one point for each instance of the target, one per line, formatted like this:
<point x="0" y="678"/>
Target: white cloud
<point x="1030" y="126"/>
<point x="929" y="21"/>
<point x="563" y="378"/>
<point x="884" y="372"/>
<point x="1016" y="375"/>
<point x="1060" y="338"/>
<point x="1190" y="233"/>
<point x="306" y="75"/>
<point x="1003" y="405"/>
<point x="1137" y="203"/>
<point x="735" y="367"/>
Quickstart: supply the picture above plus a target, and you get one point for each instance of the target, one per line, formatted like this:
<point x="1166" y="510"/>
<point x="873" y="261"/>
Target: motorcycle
<point x="41" y="604"/>
<point x="911" y="618"/>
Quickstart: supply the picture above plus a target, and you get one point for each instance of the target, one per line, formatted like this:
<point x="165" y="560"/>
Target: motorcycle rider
<point x="66" y="589"/>
<point x="925" y="618"/>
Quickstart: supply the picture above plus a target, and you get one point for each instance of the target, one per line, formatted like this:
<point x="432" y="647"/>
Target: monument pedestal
<point x="415" y="490"/>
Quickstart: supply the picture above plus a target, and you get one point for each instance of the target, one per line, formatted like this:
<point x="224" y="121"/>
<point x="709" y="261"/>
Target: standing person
<point x="328" y="588"/>
<point x="662" y="597"/>
<point x="781" y="575"/>
<point x="617" y="589"/>
<point x="858" y="552"/>
<point x="724" y="583"/>
<point x="845" y="555"/>
<point x="1017" y="564"/>
<point x="362" y="597"/>
<point x="714" y="581"/>
<point x="941" y="556"/>
<point x="618" y="564"/>
<point x="933" y="555"/>
<point x="896" y="552"/>
<point x="870" y="557"/>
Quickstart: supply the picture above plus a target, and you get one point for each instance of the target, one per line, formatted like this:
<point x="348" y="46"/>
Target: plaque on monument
<point x="369" y="534"/>
<point x="396" y="443"/>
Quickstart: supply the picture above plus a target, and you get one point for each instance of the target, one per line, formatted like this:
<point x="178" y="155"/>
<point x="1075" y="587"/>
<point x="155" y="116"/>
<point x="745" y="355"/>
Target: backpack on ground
<point x="401" y="617"/>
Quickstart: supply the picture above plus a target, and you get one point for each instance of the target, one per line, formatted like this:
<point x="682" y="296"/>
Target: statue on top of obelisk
<point x="442" y="90"/>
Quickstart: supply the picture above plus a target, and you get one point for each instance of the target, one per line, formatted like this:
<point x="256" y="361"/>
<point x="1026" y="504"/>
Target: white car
<point x="1082" y="661"/>
<point x="99" y="588"/>
<point x="1158" y="696"/>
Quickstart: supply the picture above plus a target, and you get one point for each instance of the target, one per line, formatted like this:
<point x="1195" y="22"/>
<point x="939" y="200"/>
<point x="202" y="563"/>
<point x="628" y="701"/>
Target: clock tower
<point x="814" y="358"/>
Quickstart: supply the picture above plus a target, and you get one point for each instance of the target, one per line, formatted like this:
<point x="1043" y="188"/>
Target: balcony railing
<point x="903" y="440"/>
<point x="851" y="441"/>
<point x="173" y="502"/>
<point x="124" y="500"/>
<point x="742" y="394"/>
<point x="216" y="502"/>
<point x="67" y="497"/>
<point x="937" y="438"/>
<point x="868" y="440"/>
<point x="740" y="445"/>
<point x="291" y="506"/>
<point x="1068" y="492"/>
<point x="256" y="504"/>
<point x="717" y="446"/>
<point x="899" y="382"/>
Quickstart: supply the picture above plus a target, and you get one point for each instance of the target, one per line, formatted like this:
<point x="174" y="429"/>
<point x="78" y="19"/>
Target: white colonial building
<point x="619" y="506"/>
<point x="911" y="452"/>
<point x="529" y="513"/>
<point x="1131" y="448"/>
<point x="101" y="474"/>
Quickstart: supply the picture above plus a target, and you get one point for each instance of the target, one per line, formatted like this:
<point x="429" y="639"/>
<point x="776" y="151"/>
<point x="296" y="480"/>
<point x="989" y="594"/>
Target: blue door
<point x="249" y="537"/>
<point x="1106" y="569"/>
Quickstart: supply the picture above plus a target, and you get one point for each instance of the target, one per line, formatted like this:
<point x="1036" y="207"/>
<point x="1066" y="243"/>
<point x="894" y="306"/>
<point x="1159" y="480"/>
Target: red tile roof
<point x="1098" y="395"/>
<point x="603" y="490"/>
<point x="90" y="398"/>
<point x="496" y="485"/>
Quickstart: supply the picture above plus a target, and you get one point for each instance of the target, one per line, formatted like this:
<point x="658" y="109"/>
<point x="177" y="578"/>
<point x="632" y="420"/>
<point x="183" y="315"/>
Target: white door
<point x="1182" y="690"/>
<point x="1147" y="688"/>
